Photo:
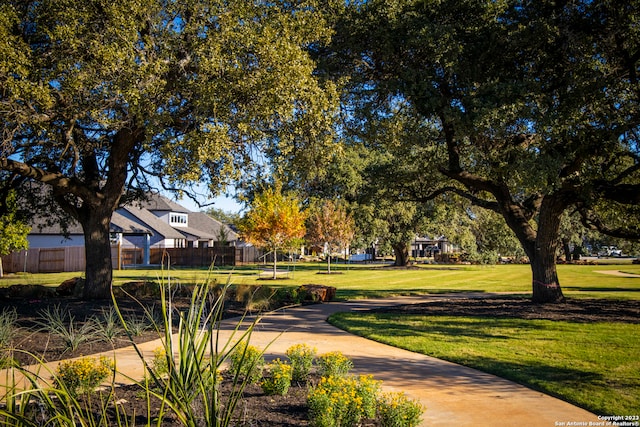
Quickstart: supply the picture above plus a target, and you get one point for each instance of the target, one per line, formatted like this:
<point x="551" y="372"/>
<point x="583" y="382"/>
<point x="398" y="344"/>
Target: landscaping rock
<point x="138" y="289"/>
<point x="71" y="287"/>
<point x="317" y="293"/>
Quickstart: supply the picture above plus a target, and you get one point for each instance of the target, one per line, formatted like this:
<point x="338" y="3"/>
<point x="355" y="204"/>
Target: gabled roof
<point x="202" y="221"/>
<point x="148" y="219"/>
<point x="157" y="202"/>
<point x="198" y="234"/>
<point x="119" y="224"/>
<point x="122" y="224"/>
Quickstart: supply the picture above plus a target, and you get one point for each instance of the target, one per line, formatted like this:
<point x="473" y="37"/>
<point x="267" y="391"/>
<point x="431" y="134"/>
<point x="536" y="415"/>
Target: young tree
<point x="13" y="232"/>
<point x="329" y="223"/>
<point x="534" y="107"/>
<point x="101" y="100"/>
<point x="274" y="222"/>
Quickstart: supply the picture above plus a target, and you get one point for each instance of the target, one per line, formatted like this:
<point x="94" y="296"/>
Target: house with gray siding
<point x="157" y="222"/>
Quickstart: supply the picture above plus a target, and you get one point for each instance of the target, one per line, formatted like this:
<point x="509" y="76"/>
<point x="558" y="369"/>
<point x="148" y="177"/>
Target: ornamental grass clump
<point x="82" y="376"/>
<point x="334" y="364"/>
<point x="185" y="373"/>
<point x="279" y="379"/>
<point x="301" y="357"/>
<point x="61" y="323"/>
<point x="397" y="410"/>
<point x="8" y="320"/>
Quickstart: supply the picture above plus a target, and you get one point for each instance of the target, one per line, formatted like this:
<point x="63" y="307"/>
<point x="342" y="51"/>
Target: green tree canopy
<point x="101" y="99"/>
<point x="13" y="231"/>
<point x="533" y="107"/>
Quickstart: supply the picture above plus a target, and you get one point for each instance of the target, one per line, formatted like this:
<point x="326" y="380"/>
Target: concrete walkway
<point x="453" y="395"/>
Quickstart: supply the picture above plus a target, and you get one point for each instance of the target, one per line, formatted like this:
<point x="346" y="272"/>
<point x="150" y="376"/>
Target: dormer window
<point x="178" y="219"/>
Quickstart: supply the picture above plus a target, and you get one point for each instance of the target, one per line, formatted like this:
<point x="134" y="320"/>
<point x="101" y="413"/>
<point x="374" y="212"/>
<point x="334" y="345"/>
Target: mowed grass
<point x="357" y="281"/>
<point x="593" y="365"/>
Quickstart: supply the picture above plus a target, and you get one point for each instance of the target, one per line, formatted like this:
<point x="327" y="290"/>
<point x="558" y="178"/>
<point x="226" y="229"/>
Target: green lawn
<point x="593" y="365"/>
<point x="369" y="281"/>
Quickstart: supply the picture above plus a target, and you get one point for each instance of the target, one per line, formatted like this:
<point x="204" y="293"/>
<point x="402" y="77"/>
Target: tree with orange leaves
<point x="329" y="224"/>
<point x="274" y="222"/>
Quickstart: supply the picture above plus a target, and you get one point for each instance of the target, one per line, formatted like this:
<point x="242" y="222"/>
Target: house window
<point x="179" y="243"/>
<point x="177" y="219"/>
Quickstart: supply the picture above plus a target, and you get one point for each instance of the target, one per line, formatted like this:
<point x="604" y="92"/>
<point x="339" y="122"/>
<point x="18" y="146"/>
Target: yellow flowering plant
<point x="301" y="357"/>
<point x="247" y="361"/>
<point x="82" y="375"/>
<point x="334" y="364"/>
<point x="397" y="410"/>
<point x="341" y="401"/>
<point x="279" y="379"/>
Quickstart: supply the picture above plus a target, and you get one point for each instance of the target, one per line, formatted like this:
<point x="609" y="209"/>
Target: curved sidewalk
<point x="454" y="395"/>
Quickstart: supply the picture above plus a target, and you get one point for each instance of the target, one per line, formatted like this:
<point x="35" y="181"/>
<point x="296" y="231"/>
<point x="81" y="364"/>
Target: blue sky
<point x="222" y="202"/>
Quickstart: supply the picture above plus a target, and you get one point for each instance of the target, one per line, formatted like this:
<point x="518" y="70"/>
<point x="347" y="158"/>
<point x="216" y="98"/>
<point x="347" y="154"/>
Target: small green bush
<point x="334" y="364"/>
<point x="341" y="401"/>
<point x="82" y="375"/>
<point x="247" y="362"/>
<point x="279" y="379"/>
<point x="397" y="410"/>
<point x="160" y="364"/>
<point x="301" y="357"/>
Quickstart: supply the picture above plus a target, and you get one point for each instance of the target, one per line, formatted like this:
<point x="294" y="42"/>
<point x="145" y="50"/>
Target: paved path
<point x="454" y="395"/>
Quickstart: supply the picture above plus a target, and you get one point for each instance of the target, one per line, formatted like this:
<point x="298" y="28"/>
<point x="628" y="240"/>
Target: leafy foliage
<point x="530" y="110"/>
<point x="13" y="232"/>
<point x="274" y="221"/>
<point x="330" y="224"/>
<point x="102" y="101"/>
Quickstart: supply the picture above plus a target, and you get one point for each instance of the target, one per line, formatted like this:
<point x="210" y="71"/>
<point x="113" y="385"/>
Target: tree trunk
<point x="401" y="252"/>
<point x="275" y="264"/>
<point x="97" y="247"/>
<point x="329" y="263"/>
<point x="542" y="254"/>
<point x="546" y="287"/>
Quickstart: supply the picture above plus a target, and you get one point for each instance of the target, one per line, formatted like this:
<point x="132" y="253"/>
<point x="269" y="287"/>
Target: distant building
<point x="155" y="223"/>
<point x="423" y="247"/>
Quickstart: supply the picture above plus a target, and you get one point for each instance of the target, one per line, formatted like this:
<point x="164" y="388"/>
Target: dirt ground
<point x="256" y="409"/>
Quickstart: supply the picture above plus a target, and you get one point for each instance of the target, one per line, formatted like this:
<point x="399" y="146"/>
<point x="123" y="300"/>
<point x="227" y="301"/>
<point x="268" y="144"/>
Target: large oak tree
<point x="535" y="107"/>
<point x="101" y="100"/>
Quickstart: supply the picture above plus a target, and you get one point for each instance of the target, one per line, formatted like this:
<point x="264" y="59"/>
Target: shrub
<point x="82" y="375"/>
<point x="342" y="401"/>
<point x="301" y="357"/>
<point x="160" y="364"/>
<point x="368" y="390"/>
<point x="397" y="410"/>
<point x="279" y="379"/>
<point x="247" y="362"/>
<point x="334" y="364"/>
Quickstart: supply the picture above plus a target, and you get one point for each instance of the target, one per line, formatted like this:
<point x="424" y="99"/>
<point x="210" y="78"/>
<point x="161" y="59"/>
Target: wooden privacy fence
<point x="55" y="260"/>
<point x="45" y="260"/>
<point x="196" y="257"/>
